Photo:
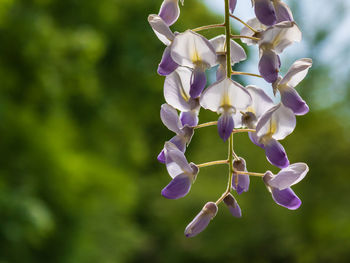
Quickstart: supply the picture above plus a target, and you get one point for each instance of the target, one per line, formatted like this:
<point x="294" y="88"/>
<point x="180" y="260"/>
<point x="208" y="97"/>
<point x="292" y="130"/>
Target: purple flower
<point x="275" y="124"/>
<point x="170" y="11"/>
<point x="202" y="220"/>
<point x="194" y="51"/>
<point x="225" y="97"/>
<point x="265" y="12"/>
<point x="286" y="86"/>
<point x="182" y="172"/>
<point x="279" y="184"/>
<point x="172" y="121"/>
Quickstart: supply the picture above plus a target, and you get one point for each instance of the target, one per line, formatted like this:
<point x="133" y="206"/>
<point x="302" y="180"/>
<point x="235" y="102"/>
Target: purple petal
<point x="242" y="179"/>
<point x="254" y="138"/>
<point x="169" y="12"/>
<point x="202" y="220"/>
<point x="269" y="65"/>
<point x="178" y="187"/>
<point x="276" y="154"/>
<point x="180" y="144"/>
<point x="167" y="65"/>
<point x="291" y="99"/>
<point x="286" y="198"/>
<point x="232" y="5"/>
<point x="225" y="125"/>
<point x="265" y="12"/>
<point x="198" y="81"/>
<point x="283" y="12"/>
<point x="233" y="206"/>
<point x="189" y="118"/>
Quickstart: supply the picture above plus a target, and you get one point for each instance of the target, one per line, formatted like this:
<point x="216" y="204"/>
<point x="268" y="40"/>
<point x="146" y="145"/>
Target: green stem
<point x="212" y="163"/>
<point x="244" y="23"/>
<point x="207" y="27"/>
<point x="211" y="123"/>
<point x="239" y="36"/>
<point x="245" y="73"/>
<point x="250" y="173"/>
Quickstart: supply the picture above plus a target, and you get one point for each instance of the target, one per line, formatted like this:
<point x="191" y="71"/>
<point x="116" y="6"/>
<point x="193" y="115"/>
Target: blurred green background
<point x="80" y="132"/>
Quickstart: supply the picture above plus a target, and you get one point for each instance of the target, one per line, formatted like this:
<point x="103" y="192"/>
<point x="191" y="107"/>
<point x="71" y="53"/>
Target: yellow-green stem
<point x="212" y="163"/>
<point x="245" y="73"/>
<point x="211" y="123"/>
<point x="207" y="27"/>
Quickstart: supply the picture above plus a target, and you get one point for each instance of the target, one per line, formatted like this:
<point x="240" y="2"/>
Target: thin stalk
<point x="240" y="36"/>
<point x="250" y="173"/>
<point x="212" y="163"/>
<point x="245" y="73"/>
<point x="244" y="23"/>
<point x="243" y="130"/>
<point x="208" y="27"/>
<point x="211" y="123"/>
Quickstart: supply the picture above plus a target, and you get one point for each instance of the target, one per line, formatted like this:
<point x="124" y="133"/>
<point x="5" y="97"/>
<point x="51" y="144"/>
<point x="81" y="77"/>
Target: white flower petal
<point x="170" y="118"/>
<point x="237" y="52"/>
<point x="161" y="29"/>
<point x="177" y="88"/>
<point x="281" y="35"/>
<point x="289" y="176"/>
<point x="225" y="93"/>
<point x="296" y="72"/>
<point x="173" y="154"/>
<point x="278" y="123"/>
<point x="254" y="23"/>
<point x="190" y="49"/>
<point x="261" y="102"/>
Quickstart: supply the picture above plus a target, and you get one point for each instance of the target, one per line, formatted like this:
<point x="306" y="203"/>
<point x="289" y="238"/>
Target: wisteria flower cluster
<point x="186" y="58"/>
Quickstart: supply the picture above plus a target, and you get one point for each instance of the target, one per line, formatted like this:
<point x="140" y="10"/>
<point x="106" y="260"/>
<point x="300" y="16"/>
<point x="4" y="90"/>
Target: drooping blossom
<point x="275" y="124"/>
<point x="170" y="11"/>
<point x="280" y="184"/>
<point x="286" y="86"/>
<point x="225" y="97"/>
<point x="194" y="51"/>
<point x="240" y="182"/>
<point x="177" y="94"/>
<point x="184" y="133"/>
<point x="273" y="41"/>
<point x="202" y="220"/>
<point x="257" y="26"/>
<point x="233" y="206"/>
<point x="182" y="172"/>
<point x="166" y="36"/>
<point x="237" y="54"/>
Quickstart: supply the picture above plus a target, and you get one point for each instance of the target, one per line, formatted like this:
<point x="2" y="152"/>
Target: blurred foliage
<point x="80" y="130"/>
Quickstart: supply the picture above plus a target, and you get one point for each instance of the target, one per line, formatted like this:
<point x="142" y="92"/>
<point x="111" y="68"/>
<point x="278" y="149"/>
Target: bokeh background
<point x="80" y="132"/>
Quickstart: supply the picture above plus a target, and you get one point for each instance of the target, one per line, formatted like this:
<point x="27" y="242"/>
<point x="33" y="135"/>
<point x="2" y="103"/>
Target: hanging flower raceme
<point x="177" y="94"/>
<point x="172" y="121"/>
<point x="225" y="97"/>
<point x="241" y="109"/>
<point x="194" y="51"/>
<point x="279" y="184"/>
<point x="164" y="34"/>
<point x="170" y="11"/>
<point x="237" y="54"/>
<point x="286" y="86"/>
<point x="182" y="172"/>
<point x="274" y="125"/>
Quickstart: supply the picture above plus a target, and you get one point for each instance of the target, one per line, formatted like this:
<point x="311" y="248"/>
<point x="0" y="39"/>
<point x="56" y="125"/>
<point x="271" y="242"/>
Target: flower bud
<point x="201" y="221"/>
<point x="241" y="181"/>
<point x="233" y="206"/>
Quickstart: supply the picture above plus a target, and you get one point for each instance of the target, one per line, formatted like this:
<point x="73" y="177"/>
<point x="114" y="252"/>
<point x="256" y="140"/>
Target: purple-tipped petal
<point x="291" y="99"/>
<point x="202" y="220"/>
<point x="189" y="118"/>
<point x="225" y="125"/>
<point x="232" y="5"/>
<point x="269" y="65"/>
<point x="242" y="179"/>
<point x="233" y="206"/>
<point x="178" y="187"/>
<point x="254" y="138"/>
<point x="169" y="11"/>
<point x="167" y="65"/>
<point x="179" y="143"/>
<point x="265" y="12"/>
<point x="286" y="198"/>
<point x="198" y="82"/>
<point x="276" y="154"/>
